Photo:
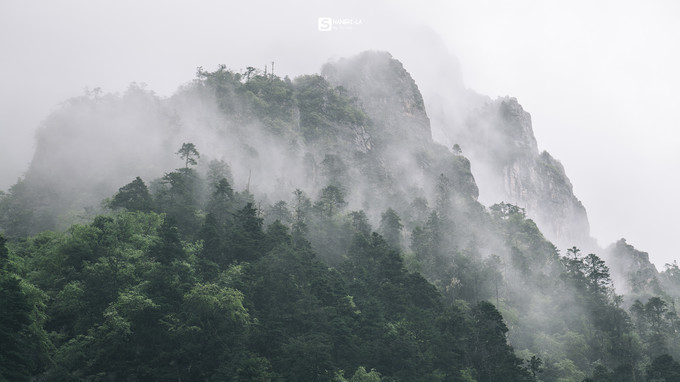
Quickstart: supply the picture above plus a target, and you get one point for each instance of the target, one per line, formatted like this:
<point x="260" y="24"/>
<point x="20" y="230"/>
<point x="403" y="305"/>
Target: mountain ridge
<point x="327" y="157"/>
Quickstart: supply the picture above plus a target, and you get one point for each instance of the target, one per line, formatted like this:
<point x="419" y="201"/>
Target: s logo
<point x="325" y="24"/>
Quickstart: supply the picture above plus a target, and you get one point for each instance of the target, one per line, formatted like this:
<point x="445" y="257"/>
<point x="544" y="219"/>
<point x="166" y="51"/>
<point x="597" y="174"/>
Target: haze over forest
<point x="599" y="80"/>
<point x="239" y="195"/>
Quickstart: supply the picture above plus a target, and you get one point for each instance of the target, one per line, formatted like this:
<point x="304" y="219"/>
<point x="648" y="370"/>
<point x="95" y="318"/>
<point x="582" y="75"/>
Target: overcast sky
<point x="600" y="79"/>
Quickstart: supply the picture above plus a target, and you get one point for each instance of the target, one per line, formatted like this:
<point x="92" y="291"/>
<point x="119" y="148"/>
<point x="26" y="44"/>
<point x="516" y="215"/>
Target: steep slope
<point x="333" y="157"/>
<point x="386" y="92"/>
<point x="498" y="136"/>
<point x="635" y="276"/>
<point x="401" y="128"/>
<point x="274" y="133"/>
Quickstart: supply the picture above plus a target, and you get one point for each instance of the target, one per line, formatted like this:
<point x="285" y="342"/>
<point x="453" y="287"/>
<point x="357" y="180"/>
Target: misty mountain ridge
<point x="328" y="157"/>
<point x="300" y="121"/>
<point x="362" y="118"/>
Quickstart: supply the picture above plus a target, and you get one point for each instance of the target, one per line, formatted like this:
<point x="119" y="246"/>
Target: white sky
<point x="601" y="79"/>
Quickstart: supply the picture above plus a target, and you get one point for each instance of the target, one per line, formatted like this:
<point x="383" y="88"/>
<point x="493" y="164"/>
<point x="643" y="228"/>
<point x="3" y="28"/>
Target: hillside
<point x="253" y="227"/>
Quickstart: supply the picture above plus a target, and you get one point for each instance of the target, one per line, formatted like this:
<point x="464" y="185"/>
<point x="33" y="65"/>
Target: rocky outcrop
<point x="499" y="139"/>
<point x="400" y="129"/>
<point x="387" y="93"/>
<point x="633" y="274"/>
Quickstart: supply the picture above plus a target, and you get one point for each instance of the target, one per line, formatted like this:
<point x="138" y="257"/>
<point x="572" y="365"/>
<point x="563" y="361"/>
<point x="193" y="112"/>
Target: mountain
<point x="637" y="277"/>
<point x="386" y="92"/>
<point x="497" y="136"/>
<point x="270" y="201"/>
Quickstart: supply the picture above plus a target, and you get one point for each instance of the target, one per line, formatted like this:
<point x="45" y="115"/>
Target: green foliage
<point x="656" y="322"/>
<point x="489" y="342"/>
<point x="663" y="368"/>
<point x="427" y="244"/>
<point x="279" y="211"/>
<point x="22" y="317"/>
<point x="324" y="110"/>
<point x="130" y="297"/>
<point x="277" y="103"/>
<point x="247" y="236"/>
<point x="190" y="280"/>
<point x="179" y="197"/>
<point x="134" y="196"/>
<point x="24" y="210"/>
<point x="15" y="319"/>
<point x="361" y="375"/>
<point x="218" y="170"/>
<point x="4" y="254"/>
<point x="505" y="211"/>
<point x="222" y="83"/>
<point x="271" y="99"/>
<point x="331" y="201"/>
<point x="390" y="228"/>
<point x="301" y="211"/>
<point x="168" y="247"/>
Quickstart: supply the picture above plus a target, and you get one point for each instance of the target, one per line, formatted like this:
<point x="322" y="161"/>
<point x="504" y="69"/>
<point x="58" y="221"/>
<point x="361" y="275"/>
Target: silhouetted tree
<point x="189" y="154"/>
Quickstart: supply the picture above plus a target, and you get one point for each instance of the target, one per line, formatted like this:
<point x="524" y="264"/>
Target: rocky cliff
<point x="634" y="275"/>
<point x="498" y="137"/>
<point x="387" y="93"/>
<point x="400" y="125"/>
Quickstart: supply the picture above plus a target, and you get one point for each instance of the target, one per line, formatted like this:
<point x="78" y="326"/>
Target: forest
<point x="364" y="257"/>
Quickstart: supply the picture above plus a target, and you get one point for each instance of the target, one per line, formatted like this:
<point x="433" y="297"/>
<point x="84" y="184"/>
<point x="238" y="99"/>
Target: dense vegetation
<point x="168" y="287"/>
<point x="379" y="265"/>
<point x="153" y="291"/>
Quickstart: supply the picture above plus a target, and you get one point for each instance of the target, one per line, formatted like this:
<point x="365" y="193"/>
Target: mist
<point x="437" y="115"/>
<point x="565" y="64"/>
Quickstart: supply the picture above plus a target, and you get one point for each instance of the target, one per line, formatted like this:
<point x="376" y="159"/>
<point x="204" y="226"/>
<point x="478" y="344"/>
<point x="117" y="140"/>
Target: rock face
<point x="400" y="128"/>
<point x="387" y="93"/>
<point x="633" y="274"/>
<point x="499" y="139"/>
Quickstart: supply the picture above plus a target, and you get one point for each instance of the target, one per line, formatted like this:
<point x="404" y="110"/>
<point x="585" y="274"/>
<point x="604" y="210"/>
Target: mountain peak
<point x="498" y="136"/>
<point x="385" y="90"/>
